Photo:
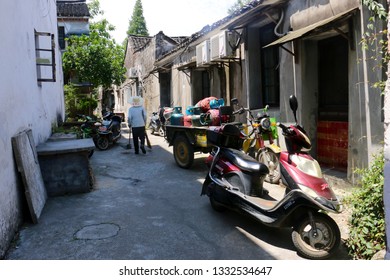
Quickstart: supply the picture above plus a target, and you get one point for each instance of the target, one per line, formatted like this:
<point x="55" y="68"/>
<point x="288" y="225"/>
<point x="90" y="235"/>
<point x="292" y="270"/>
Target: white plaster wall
<point x="23" y="103"/>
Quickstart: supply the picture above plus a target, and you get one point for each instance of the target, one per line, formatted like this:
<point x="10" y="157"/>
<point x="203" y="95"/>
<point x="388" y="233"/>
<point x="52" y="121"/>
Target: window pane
<point x="61" y="37"/>
<point x="269" y="68"/>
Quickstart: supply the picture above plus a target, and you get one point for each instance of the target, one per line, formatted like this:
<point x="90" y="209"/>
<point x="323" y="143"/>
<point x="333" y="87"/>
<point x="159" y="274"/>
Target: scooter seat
<point x="244" y="161"/>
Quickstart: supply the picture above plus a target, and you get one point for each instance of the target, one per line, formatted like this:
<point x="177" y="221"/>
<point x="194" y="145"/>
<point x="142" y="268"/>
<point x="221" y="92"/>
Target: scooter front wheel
<point x="269" y="158"/>
<point x="151" y="129"/>
<point x="317" y="244"/>
<point x="161" y="132"/>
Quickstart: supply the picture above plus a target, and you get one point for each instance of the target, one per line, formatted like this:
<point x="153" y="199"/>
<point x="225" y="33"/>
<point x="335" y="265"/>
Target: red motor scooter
<point x="300" y="171"/>
<point x="235" y="181"/>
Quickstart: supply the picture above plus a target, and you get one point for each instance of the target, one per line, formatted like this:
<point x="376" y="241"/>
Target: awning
<point x="292" y="35"/>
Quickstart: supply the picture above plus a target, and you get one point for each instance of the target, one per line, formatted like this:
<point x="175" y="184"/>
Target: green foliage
<point x="76" y="103"/>
<point x="96" y="58"/>
<point x="375" y="40"/>
<point x="94" y="9"/>
<point x="137" y="23"/>
<point x="66" y="130"/>
<point x="367" y="223"/>
<point x="377" y="8"/>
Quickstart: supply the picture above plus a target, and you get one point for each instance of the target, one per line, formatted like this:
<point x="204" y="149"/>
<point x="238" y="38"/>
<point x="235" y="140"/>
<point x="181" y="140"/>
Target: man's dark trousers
<point x="138" y="136"/>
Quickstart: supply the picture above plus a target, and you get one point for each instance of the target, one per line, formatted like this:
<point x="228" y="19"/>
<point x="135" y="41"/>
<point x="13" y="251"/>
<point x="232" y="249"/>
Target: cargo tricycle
<point x="186" y="141"/>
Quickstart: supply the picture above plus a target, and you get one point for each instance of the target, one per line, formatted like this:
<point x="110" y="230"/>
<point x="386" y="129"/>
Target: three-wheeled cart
<point x="186" y="141"/>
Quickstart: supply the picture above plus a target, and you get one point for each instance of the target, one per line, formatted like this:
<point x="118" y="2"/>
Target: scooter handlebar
<point x="239" y="111"/>
<point x="284" y="128"/>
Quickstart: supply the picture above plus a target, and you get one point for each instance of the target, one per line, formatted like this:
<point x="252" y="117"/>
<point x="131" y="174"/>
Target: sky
<point x="172" y="17"/>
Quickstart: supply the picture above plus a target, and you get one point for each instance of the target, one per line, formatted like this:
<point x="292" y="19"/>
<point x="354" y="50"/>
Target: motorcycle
<point x="155" y="124"/>
<point x="262" y="128"/>
<point x="88" y="129"/>
<point x="235" y="181"/>
<point x="108" y="131"/>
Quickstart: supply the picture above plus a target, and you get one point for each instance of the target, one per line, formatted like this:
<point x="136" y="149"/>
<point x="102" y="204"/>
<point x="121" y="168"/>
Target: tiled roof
<point x="208" y="28"/>
<point x="139" y="42"/>
<point x="179" y="39"/>
<point x="72" y="9"/>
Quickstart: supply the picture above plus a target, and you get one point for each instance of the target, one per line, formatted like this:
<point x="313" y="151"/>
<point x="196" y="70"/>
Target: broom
<point x="129" y="144"/>
<point x="147" y="140"/>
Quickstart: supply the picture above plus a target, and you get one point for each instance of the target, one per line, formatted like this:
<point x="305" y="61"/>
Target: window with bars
<point x="45" y="56"/>
<point x="269" y="68"/>
<point x="61" y="37"/>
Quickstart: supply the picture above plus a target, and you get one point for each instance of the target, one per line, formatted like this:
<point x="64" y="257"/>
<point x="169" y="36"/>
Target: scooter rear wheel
<point x="316" y="246"/>
<point x="216" y="205"/>
<point x="102" y="143"/>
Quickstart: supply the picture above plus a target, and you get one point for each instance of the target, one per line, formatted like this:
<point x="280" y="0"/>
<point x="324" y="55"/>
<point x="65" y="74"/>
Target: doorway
<point x="332" y="128"/>
<point x="165" y="89"/>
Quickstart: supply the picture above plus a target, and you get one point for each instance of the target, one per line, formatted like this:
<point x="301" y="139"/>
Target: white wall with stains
<point x="24" y="103"/>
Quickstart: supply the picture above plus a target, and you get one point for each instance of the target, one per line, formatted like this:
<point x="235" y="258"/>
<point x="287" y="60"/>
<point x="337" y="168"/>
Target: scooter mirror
<point x="294" y="105"/>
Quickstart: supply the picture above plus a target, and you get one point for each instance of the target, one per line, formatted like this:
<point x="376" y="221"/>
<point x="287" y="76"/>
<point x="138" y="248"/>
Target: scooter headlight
<point x="265" y="123"/>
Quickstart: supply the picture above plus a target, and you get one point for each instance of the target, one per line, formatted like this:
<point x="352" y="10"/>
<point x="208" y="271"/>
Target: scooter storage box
<point x="230" y="138"/>
<point x="214" y="138"/>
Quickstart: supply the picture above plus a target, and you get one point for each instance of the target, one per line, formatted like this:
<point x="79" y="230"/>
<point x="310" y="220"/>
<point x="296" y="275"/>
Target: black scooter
<point x="235" y="181"/>
<point x="108" y="131"/>
<point x="155" y="124"/>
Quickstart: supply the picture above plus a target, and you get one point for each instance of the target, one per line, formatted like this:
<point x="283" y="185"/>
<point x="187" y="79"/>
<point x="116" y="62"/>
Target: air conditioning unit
<point x="223" y="45"/>
<point x="133" y="73"/>
<point x="203" y="53"/>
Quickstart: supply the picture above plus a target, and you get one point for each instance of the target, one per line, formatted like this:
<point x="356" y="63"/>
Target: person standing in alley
<point x="136" y="120"/>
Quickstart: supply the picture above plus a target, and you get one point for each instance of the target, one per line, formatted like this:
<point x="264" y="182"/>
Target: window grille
<point x="61" y="37"/>
<point x="45" y="56"/>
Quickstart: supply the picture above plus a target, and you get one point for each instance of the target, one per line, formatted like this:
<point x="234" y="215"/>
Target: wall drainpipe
<point x="366" y="91"/>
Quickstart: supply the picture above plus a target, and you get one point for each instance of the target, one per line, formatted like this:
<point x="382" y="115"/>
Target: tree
<point x="96" y="57"/>
<point x="94" y="9"/>
<point x="78" y="103"/>
<point x="137" y="23"/>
